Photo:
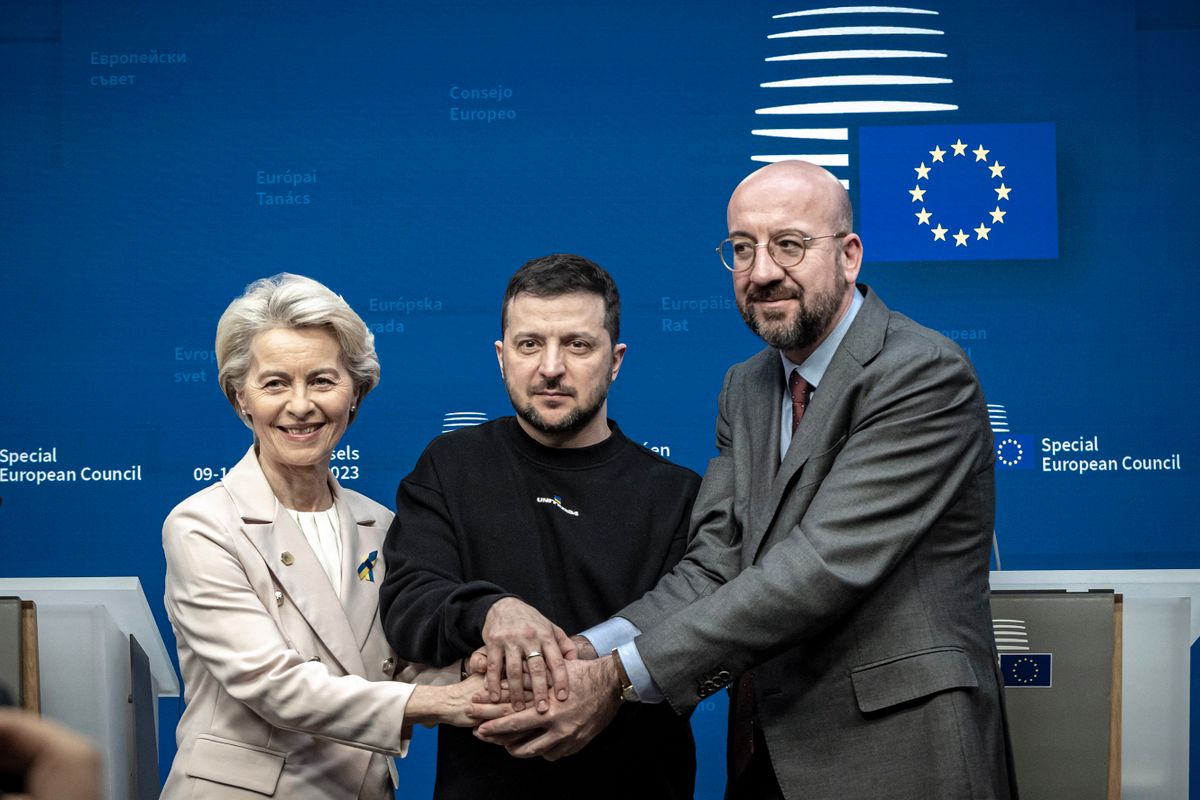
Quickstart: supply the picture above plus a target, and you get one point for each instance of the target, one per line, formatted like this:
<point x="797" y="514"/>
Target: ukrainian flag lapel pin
<point x="366" y="570"/>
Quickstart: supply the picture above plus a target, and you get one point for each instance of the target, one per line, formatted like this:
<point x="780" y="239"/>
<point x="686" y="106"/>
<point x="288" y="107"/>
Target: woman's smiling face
<point x="297" y="395"/>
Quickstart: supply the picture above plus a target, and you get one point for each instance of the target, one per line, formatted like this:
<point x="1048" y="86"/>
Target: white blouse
<point x="322" y="529"/>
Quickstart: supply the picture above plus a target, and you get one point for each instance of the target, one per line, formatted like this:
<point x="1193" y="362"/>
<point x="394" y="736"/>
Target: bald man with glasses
<point x="837" y="575"/>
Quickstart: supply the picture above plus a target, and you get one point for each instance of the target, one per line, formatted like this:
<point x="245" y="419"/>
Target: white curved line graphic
<point x="824" y="55"/>
<point x="857" y="107"/>
<point x="857" y="30"/>
<point x="855" y="10"/>
<point x="855" y="80"/>
<point x="827" y="134"/>
<point x="820" y="159"/>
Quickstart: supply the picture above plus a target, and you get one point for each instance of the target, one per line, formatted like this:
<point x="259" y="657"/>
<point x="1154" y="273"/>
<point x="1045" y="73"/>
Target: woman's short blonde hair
<point x="292" y="301"/>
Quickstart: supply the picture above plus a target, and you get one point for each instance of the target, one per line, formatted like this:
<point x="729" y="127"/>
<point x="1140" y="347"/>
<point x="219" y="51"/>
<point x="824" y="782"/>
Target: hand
<point x="477" y="662"/>
<point x="463" y="704"/>
<point x="584" y="647"/>
<point x="54" y="761"/>
<point x="512" y="630"/>
<point x="568" y="725"/>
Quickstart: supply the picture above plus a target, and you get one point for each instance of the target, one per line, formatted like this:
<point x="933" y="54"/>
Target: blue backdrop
<point x="1025" y="175"/>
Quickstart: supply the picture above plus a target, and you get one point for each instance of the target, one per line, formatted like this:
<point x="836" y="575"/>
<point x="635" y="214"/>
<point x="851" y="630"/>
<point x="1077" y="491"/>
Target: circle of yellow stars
<point x="1005" y="450"/>
<point x="1027" y="678"/>
<point x="925" y="217"/>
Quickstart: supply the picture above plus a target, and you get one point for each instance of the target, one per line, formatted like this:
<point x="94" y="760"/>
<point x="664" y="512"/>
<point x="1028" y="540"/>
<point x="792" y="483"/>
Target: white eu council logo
<point x="1011" y="635"/>
<point x="1018" y="666"/>
<point x="887" y="66"/>
<point x="1009" y="447"/>
<point x="462" y="419"/>
<point x="998" y="417"/>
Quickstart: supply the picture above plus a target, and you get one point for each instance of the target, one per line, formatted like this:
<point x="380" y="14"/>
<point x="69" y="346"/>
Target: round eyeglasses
<point x="786" y="249"/>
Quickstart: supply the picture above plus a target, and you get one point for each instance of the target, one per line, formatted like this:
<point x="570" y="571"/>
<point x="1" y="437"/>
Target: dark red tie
<point x="800" y="391"/>
<point x="741" y="720"/>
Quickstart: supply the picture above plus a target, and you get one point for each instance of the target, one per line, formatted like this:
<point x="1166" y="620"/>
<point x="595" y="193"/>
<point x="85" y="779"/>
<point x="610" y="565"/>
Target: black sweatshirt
<point x="578" y="533"/>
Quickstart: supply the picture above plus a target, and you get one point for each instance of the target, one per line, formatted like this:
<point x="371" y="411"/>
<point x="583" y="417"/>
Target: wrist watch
<point x="628" y="693"/>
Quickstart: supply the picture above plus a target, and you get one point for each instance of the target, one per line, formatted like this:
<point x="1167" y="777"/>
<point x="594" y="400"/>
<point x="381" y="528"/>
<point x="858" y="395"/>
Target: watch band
<point x="628" y="693"/>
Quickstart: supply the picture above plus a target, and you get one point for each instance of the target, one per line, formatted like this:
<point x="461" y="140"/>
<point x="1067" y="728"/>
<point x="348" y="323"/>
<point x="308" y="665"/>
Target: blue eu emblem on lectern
<point x="1027" y="670"/>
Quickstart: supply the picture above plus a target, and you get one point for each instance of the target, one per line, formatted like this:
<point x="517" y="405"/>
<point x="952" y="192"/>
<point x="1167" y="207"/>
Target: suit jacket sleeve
<point x="914" y="442"/>
<point x="430" y="612"/>
<point x="216" y="610"/>
<point x="713" y="554"/>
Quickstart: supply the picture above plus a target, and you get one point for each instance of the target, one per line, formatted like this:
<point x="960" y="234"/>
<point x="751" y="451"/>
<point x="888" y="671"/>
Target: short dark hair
<point x="563" y="273"/>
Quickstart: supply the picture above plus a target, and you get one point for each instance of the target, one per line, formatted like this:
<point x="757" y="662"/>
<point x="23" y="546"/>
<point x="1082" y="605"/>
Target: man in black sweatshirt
<point x="510" y="533"/>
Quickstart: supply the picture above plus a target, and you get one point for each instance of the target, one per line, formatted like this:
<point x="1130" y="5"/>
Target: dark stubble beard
<point x="811" y="323"/>
<point x="574" y="422"/>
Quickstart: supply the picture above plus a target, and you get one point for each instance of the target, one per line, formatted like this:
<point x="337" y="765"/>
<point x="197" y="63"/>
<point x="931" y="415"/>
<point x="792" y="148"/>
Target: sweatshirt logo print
<point x="556" y="501"/>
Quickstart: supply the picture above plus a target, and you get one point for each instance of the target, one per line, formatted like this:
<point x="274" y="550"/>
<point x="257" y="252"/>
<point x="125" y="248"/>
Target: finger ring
<point x="532" y="654"/>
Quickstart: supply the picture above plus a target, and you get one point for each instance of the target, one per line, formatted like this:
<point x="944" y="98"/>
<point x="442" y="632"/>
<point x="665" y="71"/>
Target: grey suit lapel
<point x="763" y="403"/>
<point x="862" y="343"/>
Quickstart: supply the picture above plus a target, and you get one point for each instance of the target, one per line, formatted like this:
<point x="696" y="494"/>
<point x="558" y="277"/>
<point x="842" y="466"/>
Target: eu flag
<point x="1030" y="670"/>
<point x="1014" y="451"/>
<point x="958" y="192"/>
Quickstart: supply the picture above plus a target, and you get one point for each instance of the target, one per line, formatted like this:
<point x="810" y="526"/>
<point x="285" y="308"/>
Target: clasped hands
<point x="520" y="641"/>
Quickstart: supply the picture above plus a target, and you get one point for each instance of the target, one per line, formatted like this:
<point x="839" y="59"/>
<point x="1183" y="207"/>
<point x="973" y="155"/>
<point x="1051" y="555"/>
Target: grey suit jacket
<point x="285" y="682"/>
<point x="853" y="577"/>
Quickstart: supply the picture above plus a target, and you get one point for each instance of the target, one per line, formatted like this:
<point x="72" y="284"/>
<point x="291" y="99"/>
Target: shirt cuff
<point x="609" y="634"/>
<point x="647" y="690"/>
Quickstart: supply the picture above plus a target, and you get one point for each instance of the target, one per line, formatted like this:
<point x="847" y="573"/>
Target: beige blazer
<point x="288" y="688"/>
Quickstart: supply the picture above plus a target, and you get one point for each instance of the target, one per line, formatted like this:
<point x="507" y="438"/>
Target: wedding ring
<point x="532" y="654"/>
